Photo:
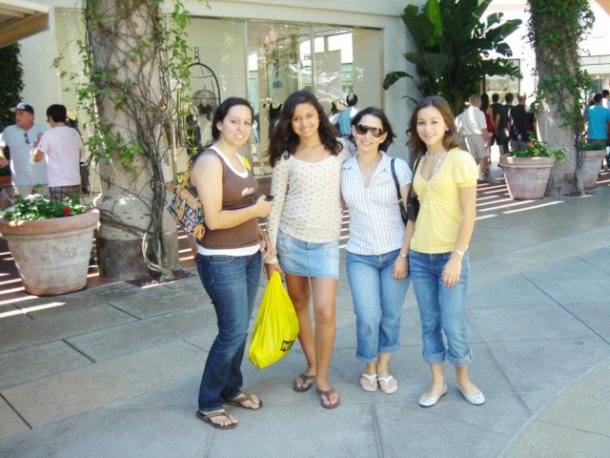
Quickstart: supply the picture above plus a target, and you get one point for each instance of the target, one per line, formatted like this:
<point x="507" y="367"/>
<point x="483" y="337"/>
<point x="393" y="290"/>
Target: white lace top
<point x="307" y="203"/>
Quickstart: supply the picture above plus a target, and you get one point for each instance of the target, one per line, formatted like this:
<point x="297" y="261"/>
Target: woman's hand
<point x="401" y="268"/>
<point x="452" y="270"/>
<point x="263" y="207"/>
<point x="269" y="252"/>
<point x="271" y="268"/>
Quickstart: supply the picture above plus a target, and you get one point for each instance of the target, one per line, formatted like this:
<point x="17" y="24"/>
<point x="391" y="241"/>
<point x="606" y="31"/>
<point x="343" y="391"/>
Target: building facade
<point x="260" y="50"/>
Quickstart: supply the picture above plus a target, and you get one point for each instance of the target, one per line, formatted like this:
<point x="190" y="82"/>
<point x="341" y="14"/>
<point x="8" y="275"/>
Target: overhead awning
<point x="20" y="19"/>
<point x="605" y="4"/>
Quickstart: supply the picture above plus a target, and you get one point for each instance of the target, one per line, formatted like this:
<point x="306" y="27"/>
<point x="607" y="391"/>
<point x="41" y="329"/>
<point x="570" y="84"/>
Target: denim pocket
<point x="221" y="260"/>
<point x="284" y="244"/>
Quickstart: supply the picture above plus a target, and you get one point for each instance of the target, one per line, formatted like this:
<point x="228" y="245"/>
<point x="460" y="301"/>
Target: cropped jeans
<point x="441" y="309"/>
<point x="378" y="301"/>
<point x="231" y="282"/>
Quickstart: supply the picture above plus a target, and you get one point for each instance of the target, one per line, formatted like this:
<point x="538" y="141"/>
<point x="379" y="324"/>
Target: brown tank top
<point x="237" y="192"/>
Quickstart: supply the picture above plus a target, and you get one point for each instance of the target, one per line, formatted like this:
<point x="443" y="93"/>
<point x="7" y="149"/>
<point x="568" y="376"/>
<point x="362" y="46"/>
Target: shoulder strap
<point x="392" y="166"/>
<point x="410" y="196"/>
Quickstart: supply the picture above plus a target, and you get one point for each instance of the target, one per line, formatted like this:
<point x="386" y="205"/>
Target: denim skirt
<point x="308" y="259"/>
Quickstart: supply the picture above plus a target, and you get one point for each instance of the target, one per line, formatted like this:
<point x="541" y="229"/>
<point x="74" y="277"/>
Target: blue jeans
<point x="441" y="308"/>
<point x="231" y="282"/>
<point x="378" y="300"/>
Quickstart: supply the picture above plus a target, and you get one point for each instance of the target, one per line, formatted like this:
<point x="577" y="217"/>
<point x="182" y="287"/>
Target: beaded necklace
<point x="439" y="160"/>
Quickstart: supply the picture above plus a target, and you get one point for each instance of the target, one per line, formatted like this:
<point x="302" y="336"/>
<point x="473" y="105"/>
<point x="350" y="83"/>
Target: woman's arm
<point x="207" y="179"/>
<point x="468" y="202"/>
<point x="279" y="187"/>
<point x="401" y="266"/>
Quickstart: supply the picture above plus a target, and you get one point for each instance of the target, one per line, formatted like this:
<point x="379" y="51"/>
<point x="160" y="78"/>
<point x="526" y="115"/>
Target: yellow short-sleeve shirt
<point x="440" y="212"/>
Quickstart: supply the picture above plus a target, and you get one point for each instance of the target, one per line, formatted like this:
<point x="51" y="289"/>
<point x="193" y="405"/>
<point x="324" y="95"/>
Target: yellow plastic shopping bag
<point x="276" y="327"/>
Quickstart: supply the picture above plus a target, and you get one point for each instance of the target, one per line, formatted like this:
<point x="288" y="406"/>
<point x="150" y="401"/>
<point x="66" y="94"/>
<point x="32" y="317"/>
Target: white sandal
<point x="372" y="379"/>
<point x="386" y="381"/>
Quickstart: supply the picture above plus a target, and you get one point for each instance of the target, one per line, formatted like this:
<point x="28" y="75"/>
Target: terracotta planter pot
<point x="52" y="255"/>
<point x="591" y="167"/>
<point x="526" y="177"/>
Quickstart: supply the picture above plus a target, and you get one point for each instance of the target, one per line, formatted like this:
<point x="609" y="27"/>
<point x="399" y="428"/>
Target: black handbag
<point x="412" y="201"/>
<point x="403" y="210"/>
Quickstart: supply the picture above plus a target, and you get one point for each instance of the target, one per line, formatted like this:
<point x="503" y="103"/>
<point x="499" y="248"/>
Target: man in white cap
<point x="22" y="138"/>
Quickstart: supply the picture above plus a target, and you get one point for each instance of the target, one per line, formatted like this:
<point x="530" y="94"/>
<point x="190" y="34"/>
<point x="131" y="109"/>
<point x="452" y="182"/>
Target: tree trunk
<point x="137" y="236"/>
<point x="555" y="40"/>
<point x="563" y="178"/>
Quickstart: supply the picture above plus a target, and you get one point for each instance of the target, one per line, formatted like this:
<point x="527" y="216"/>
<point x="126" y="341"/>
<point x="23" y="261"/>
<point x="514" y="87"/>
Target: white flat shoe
<point x="429" y="401"/>
<point x="386" y="381"/>
<point x="373" y="380"/>
<point x="475" y="399"/>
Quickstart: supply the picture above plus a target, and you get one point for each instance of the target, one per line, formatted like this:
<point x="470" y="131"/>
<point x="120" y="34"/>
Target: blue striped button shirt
<point x="375" y="226"/>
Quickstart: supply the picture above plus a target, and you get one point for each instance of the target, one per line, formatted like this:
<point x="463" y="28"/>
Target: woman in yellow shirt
<point x="445" y="184"/>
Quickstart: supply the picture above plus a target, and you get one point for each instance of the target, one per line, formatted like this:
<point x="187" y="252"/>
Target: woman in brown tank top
<point x="228" y="257"/>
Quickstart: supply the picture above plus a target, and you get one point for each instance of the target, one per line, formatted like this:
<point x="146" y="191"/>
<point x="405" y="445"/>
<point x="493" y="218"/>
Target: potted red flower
<point x="50" y="242"/>
<point x="527" y="171"/>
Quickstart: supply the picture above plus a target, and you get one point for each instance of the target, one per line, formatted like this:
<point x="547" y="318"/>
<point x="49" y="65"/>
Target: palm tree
<point x="454" y="48"/>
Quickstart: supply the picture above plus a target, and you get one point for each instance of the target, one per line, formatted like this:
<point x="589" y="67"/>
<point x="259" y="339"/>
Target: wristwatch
<point x="405" y="256"/>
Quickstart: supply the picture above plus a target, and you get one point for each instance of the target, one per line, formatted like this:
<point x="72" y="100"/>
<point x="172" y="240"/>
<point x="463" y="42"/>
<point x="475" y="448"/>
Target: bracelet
<point x="461" y="253"/>
<point x="404" y="256"/>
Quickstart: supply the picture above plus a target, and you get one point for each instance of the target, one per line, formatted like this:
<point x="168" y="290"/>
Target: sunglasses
<point x="376" y="132"/>
<point x="27" y="140"/>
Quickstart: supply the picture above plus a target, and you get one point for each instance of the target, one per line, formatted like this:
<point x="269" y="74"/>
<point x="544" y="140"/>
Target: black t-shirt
<point x="502" y="110"/>
<point x="496" y="108"/>
<point x="520" y="123"/>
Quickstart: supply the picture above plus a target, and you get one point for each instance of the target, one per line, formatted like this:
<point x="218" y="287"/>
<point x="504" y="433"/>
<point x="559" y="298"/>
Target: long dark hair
<point x="385" y="122"/>
<point x="223" y="110"/>
<point x="219" y="115"/>
<point x="417" y="146"/>
<point x="284" y="139"/>
<point x="484" y="102"/>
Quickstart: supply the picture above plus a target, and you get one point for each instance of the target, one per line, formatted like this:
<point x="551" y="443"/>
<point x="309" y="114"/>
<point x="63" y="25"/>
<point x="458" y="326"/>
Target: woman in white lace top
<point x="304" y="225"/>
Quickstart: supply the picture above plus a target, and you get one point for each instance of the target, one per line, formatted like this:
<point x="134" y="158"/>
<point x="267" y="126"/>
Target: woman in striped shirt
<point x="376" y="250"/>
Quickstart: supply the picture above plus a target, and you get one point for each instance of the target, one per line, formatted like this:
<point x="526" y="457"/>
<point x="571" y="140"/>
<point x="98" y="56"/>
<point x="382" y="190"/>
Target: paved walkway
<point x="113" y="370"/>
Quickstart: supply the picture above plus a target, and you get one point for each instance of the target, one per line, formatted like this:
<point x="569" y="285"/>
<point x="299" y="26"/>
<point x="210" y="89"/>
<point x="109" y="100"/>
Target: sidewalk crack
<point x="15" y="410"/>
<point x="377" y="431"/>
<point x="76" y="349"/>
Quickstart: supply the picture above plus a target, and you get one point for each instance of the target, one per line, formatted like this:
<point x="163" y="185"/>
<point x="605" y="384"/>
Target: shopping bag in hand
<point x="276" y="328"/>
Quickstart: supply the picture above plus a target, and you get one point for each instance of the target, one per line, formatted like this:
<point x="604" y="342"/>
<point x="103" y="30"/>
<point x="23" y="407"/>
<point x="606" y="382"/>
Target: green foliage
<point x="11" y="83"/>
<point x="555" y="30"/>
<point x="36" y="207"/>
<point x="454" y="48"/>
<point x="538" y="148"/>
<point x="109" y="83"/>
<point x="594" y="146"/>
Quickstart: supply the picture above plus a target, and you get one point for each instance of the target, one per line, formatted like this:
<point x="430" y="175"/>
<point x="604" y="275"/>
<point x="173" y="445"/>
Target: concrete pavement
<point x="113" y="370"/>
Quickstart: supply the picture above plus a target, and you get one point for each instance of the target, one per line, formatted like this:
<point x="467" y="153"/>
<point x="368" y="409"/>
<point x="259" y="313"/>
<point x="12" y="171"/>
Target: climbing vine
<point x="556" y="28"/>
<point x="134" y="57"/>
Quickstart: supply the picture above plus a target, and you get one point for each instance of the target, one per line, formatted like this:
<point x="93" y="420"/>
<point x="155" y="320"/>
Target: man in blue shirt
<point x="598" y="119"/>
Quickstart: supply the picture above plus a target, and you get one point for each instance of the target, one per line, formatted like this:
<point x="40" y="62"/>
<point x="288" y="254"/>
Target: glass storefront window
<point x="266" y="61"/>
<point x="503" y="84"/>
<point x="278" y="64"/>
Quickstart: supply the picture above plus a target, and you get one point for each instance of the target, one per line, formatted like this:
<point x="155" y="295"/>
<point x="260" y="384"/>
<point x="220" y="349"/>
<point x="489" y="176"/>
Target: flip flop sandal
<point x="241" y="399"/>
<point x="386" y="381"/>
<point x="207" y="418"/>
<point x="304" y="386"/>
<point x="327" y="394"/>
<point x="372" y="378"/>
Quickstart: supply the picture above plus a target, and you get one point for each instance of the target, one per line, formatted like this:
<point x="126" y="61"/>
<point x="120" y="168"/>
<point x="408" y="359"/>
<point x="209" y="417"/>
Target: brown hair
<point x="415" y="144"/>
